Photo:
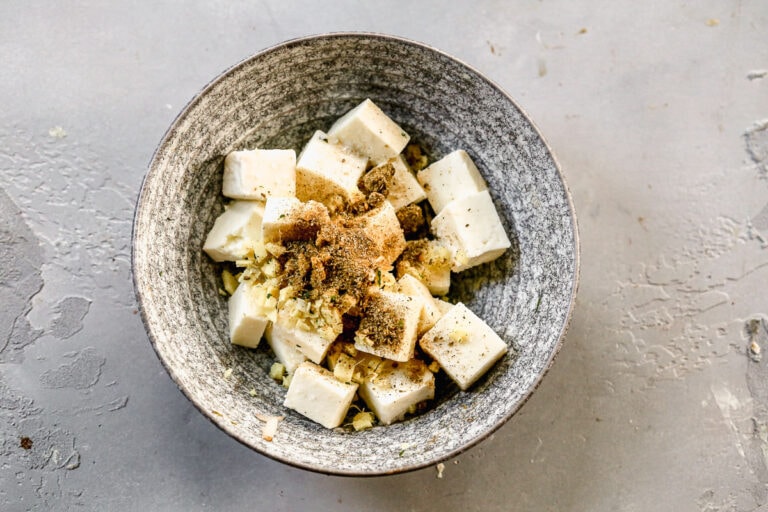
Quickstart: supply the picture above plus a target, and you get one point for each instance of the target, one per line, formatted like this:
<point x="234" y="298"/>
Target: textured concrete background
<point x="658" y="112"/>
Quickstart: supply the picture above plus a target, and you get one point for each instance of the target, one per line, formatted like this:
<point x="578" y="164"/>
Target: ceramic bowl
<point x="276" y="99"/>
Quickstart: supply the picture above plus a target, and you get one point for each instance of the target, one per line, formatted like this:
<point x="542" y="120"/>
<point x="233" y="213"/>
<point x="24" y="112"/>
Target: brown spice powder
<point x="412" y="220"/>
<point x="339" y="264"/>
<point x="335" y="266"/>
<point x="377" y="179"/>
<point x="382" y="322"/>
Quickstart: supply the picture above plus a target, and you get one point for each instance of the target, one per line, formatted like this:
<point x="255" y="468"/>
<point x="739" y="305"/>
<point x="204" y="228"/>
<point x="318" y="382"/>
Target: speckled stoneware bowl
<point x="276" y="99"/>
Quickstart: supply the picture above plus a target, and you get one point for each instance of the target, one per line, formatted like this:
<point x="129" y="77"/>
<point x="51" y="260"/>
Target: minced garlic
<point x="344" y="369"/>
<point x="271" y="423"/>
<point x="363" y="420"/>
<point x="277" y="370"/>
<point x="230" y="282"/>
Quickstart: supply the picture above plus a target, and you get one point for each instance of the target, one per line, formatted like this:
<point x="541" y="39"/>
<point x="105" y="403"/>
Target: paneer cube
<point x="285" y="351"/>
<point x="396" y="387"/>
<point x="471" y="228"/>
<point x="259" y="174"/>
<point x="414" y="288"/>
<point x="452" y="177"/>
<point x="381" y="226"/>
<point x="429" y="262"/>
<point x="389" y="325"/>
<point x="307" y="341"/>
<point x="316" y="394"/>
<point x="250" y="309"/>
<point x="403" y="189"/>
<point x="367" y="130"/>
<point x="327" y="172"/>
<point x="235" y="232"/>
<point x="463" y="345"/>
<point x="287" y="219"/>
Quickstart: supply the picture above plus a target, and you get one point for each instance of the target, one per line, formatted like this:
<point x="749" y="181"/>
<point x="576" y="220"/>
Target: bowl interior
<point x="277" y="99"/>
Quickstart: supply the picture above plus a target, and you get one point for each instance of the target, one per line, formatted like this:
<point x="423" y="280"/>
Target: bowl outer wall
<point x="526" y="296"/>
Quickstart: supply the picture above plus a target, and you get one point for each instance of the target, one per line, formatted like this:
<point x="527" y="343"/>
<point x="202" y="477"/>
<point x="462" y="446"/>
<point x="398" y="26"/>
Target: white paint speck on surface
<point x="731" y="409"/>
<point x="57" y="132"/>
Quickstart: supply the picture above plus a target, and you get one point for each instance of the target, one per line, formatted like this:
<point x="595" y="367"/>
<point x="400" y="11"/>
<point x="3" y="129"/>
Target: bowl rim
<point x="192" y="103"/>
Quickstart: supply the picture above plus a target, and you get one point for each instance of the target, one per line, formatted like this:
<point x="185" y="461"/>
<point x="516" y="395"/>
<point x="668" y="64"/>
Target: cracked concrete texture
<point x="20" y="275"/>
<point x="757" y="145"/>
<point x="83" y="372"/>
<point x="657" y="112"/>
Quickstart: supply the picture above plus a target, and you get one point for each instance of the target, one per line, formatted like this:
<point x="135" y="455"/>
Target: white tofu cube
<point x="259" y="174"/>
<point x="414" y="288"/>
<point x="248" y="315"/>
<point x="310" y="343"/>
<point x="389" y="325"/>
<point x="463" y="345"/>
<point x="429" y="262"/>
<point x="452" y="177"/>
<point x="381" y="226"/>
<point x="404" y="189"/>
<point x="235" y="232"/>
<point x="368" y="131"/>
<point x="327" y="171"/>
<point x="394" y="387"/>
<point x="470" y="227"/>
<point x="287" y="218"/>
<point x="316" y="394"/>
<point x="285" y="351"/>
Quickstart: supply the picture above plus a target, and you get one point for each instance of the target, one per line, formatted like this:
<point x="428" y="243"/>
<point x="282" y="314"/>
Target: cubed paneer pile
<point x="332" y="260"/>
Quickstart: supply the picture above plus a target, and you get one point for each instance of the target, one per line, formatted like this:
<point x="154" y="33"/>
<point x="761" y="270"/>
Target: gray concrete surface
<point x="658" y="112"/>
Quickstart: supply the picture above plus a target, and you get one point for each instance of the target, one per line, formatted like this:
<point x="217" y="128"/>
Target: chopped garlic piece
<point x="271" y="424"/>
<point x="276" y="371"/>
<point x="230" y="282"/>
<point x="344" y="369"/>
<point x="362" y="420"/>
